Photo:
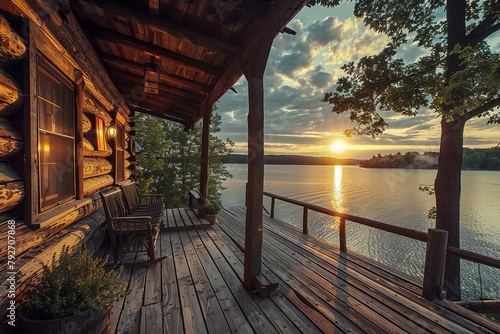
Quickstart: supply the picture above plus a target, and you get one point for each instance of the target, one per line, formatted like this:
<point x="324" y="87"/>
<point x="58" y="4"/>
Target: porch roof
<point x="201" y="47"/>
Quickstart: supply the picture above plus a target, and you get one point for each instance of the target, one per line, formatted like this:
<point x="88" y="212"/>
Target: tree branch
<point x="484" y="29"/>
<point x="485" y="107"/>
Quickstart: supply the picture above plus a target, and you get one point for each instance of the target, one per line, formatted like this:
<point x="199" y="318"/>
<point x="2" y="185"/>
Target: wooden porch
<point x="198" y="288"/>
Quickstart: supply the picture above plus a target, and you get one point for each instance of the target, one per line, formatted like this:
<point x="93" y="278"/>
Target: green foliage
<point x="213" y="206"/>
<point x="72" y="284"/>
<point x="477" y="158"/>
<point x="384" y="82"/>
<point x="169" y="163"/>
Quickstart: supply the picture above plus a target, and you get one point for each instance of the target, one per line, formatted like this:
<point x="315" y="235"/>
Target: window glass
<point x="56" y="143"/>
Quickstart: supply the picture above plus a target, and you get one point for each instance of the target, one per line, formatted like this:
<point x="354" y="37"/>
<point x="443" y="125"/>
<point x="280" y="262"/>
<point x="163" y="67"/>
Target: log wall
<point x="11" y="188"/>
<point x="70" y="223"/>
<point x="11" y="96"/>
<point x="13" y="50"/>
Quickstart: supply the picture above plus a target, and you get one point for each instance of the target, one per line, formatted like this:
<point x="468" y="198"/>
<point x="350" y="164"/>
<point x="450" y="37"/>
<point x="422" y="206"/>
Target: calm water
<point x="390" y="196"/>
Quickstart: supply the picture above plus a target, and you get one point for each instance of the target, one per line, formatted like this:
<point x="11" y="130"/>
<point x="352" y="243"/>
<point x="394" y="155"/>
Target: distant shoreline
<point x="473" y="159"/>
<point x="291" y="160"/>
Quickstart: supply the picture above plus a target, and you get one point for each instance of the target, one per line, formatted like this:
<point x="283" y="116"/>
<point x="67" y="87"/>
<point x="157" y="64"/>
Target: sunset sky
<point x="302" y="68"/>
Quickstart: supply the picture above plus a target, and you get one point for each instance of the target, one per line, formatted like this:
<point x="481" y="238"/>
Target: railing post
<point x="342" y="235"/>
<point x="435" y="262"/>
<point x="273" y="199"/>
<point x="305" y="227"/>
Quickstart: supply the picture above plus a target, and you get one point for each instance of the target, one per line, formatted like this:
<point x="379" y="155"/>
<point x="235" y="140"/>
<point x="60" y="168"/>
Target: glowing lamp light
<point x="111" y="131"/>
<point x="152" y="78"/>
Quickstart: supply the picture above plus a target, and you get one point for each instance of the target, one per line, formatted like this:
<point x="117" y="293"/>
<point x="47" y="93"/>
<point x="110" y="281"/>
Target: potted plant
<point x="211" y="210"/>
<point x="75" y="294"/>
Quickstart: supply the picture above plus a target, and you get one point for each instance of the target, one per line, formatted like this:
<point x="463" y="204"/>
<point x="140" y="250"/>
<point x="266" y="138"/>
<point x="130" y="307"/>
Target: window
<point x="56" y="136"/>
<point x="101" y="134"/>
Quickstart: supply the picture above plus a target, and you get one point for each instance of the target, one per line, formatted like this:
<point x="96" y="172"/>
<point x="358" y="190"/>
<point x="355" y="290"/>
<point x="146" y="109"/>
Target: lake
<point x="390" y="196"/>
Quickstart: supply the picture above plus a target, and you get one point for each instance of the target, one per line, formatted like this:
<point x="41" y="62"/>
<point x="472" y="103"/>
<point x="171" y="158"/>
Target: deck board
<point x="198" y="287"/>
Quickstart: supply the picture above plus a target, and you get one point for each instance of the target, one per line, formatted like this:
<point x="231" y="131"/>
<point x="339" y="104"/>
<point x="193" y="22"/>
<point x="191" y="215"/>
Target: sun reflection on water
<point x="338" y="195"/>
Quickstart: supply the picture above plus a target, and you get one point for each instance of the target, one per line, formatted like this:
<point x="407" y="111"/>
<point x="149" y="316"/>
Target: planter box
<point x="87" y="322"/>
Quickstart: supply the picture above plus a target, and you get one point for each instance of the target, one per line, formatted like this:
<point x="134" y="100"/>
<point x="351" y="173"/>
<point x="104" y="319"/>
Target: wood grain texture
<point x="11" y="95"/>
<point x="11" y="140"/>
<point x="94" y="184"/>
<point x="95" y="167"/>
<point x="12" y="47"/>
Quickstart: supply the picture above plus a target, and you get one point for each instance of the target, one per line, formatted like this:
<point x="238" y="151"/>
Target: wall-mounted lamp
<point x="111" y="131"/>
<point x="152" y="77"/>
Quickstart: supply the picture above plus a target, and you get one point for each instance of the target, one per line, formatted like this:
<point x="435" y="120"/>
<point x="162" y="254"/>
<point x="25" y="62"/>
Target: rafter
<point x="156" y="112"/>
<point x="164" y="77"/>
<point x="138" y="80"/>
<point x="139" y="95"/>
<point x="159" y="109"/>
<point x="150" y="48"/>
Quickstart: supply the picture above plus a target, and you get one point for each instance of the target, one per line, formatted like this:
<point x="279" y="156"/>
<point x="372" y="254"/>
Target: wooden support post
<point x="254" y="73"/>
<point x="342" y="235"/>
<point x="305" y="225"/>
<point x="205" y="149"/>
<point x="435" y="263"/>
<point x="79" y="82"/>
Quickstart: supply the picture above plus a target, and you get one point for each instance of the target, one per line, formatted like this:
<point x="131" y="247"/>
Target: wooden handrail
<point x="405" y="232"/>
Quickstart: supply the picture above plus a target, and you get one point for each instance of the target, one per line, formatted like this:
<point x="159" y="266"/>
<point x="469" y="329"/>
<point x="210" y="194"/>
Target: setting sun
<point x="338" y="146"/>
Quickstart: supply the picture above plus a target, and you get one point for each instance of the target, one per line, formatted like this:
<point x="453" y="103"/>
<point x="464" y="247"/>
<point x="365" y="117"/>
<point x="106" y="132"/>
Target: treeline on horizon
<point x="290" y="160"/>
<point x="473" y="159"/>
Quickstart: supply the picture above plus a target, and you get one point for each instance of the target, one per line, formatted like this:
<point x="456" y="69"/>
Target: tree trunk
<point x="447" y="187"/>
<point x="448" y="179"/>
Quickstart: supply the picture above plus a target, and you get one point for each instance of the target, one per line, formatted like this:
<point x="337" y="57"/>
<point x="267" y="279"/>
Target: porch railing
<point x="434" y="264"/>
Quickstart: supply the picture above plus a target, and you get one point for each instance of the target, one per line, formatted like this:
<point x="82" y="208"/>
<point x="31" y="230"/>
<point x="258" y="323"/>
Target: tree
<point x="458" y="77"/>
<point x="169" y="162"/>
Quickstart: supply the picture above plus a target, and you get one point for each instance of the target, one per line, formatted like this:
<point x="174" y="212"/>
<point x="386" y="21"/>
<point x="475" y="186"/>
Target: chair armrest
<point x="132" y="218"/>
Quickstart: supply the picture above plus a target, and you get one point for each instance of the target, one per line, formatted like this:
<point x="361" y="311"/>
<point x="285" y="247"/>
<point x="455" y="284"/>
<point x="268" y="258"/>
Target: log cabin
<point x="72" y="76"/>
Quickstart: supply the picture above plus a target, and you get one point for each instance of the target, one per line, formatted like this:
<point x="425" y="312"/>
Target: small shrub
<point x="72" y="284"/>
<point x="213" y="207"/>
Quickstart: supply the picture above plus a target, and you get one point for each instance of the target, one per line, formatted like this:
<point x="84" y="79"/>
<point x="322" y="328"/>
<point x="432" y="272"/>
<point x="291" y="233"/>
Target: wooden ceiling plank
<point x="150" y="49"/>
<point x="164" y="77"/>
<point x="134" y="91"/>
<point x="163" y="25"/>
<point x="174" y="91"/>
<point x="159" y="110"/>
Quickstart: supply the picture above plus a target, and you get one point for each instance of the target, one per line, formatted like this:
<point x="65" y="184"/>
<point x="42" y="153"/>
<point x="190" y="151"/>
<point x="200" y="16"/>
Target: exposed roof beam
<point x="114" y="9"/>
<point x="184" y="121"/>
<point x="164" y="77"/>
<point x="276" y="19"/>
<point x="139" y="81"/>
<point x="150" y="48"/>
<point x="160" y="110"/>
<point x="137" y="96"/>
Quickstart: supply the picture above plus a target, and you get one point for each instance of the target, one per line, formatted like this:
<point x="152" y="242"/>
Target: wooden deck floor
<point x="198" y="289"/>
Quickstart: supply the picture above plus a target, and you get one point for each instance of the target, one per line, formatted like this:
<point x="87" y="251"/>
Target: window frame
<point x="51" y="71"/>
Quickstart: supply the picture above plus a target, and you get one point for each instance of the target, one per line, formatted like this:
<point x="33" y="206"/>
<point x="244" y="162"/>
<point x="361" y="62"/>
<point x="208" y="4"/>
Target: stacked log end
<point x="12" y="50"/>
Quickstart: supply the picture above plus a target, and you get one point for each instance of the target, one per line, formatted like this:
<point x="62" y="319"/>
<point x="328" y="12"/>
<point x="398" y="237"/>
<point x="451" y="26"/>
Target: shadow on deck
<point x="198" y="288"/>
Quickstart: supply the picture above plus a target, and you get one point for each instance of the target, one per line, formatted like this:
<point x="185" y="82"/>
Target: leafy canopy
<point x="386" y="83"/>
<point x="170" y="159"/>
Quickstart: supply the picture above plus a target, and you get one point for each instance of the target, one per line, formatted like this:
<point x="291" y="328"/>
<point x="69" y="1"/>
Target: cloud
<point x="301" y="69"/>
